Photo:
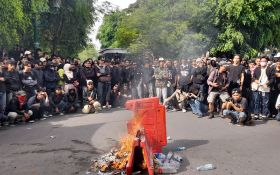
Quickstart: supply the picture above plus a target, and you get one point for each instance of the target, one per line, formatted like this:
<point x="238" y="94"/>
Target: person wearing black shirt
<point x="236" y="108"/>
<point x="12" y="80"/>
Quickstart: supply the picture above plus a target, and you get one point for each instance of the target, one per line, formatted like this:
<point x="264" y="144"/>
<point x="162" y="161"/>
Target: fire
<point x="117" y="159"/>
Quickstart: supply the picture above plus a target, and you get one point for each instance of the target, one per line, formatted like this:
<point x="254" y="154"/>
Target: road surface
<point x="65" y="145"/>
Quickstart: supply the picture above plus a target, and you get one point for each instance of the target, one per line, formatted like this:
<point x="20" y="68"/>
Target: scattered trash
<point x="182" y="148"/>
<point x="167" y="164"/>
<point x="88" y="172"/>
<point x="177" y="157"/>
<point x="52" y="137"/>
<point x="206" y="167"/>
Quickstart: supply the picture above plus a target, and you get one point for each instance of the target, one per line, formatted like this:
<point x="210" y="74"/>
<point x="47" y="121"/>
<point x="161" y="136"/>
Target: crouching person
<point x="17" y="109"/>
<point x="71" y="100"/>
<point x="177" y="100"/>
<point x="39" y="105"/>
<point x="236" y="108"/>
<point x="195" y="100"/>
<point x="57" y="103"/>
<point x="91" y="104"/>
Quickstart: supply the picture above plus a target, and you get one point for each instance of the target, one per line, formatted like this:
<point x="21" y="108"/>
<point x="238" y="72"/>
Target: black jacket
<point x="12" y="80"/>
<point x="269" y="72"/>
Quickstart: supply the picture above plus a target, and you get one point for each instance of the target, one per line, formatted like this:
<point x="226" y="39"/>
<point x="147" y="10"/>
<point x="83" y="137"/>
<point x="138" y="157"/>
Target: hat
<point x="58" y="88"/>
<point x="213" y="59"/>
<point x="236" y="90"/>
<point x="223" y="63"/>
<point x="161" y="59"/>
<point x="43" y="59"/>
<point x="27" y="52"/>
<point x="89" y="81"/>
<point x="277" y="55"/>
<point x="21" y="93"/>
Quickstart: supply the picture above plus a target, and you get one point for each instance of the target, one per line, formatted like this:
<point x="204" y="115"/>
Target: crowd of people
<point x="35" y="86"/>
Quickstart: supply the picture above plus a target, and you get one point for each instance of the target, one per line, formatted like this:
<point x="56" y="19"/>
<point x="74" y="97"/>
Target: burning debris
<point x="140" y="150"/>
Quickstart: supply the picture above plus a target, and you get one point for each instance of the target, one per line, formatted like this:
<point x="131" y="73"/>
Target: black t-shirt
<point x="242" y="103"/>
<point x="199" y="75"/>
<point x="235" y="73"/>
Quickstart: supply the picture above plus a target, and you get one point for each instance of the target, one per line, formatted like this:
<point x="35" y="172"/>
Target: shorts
<point x="222" y="95"/>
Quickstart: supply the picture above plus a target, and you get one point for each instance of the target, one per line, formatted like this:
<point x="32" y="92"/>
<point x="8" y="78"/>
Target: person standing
<point x="161" y="77"/>
<point x="264" y="77"/>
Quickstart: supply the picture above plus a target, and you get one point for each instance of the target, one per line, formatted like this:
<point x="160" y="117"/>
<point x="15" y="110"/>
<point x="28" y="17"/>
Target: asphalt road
<point x="65" y="145"/>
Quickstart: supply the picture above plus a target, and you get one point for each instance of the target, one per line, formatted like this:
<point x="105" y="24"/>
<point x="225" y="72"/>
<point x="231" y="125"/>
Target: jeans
<point x="149" y="90"/>
<point x="236" y="115"/>
<point x="61" y="107"/>
<point x="137" y="91"/>
<point x="161" y="92"/>
<point x="2" y="102"/>
<point x="261" y="103"/>
<point x="278" y="115"/>
<point x="103" y="92"/>
<point x="198" y="107"/>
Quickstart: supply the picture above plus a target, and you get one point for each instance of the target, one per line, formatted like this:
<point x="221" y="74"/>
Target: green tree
<point x="88" y="52"/>
<point x="12" y="20"/>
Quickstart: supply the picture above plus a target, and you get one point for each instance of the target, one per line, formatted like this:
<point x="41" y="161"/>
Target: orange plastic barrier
<point x="149" y="115"/>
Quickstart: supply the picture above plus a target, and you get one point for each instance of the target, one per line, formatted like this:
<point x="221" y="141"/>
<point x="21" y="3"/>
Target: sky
<point x="121" y="4"/>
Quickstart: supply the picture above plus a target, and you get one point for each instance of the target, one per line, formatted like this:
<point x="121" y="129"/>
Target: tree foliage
<point x="62" y="30"/>
<point x="185" y="28"/>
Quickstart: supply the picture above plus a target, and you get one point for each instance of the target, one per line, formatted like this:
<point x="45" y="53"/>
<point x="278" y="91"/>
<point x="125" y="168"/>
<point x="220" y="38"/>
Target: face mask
<point x="263" y="64"/>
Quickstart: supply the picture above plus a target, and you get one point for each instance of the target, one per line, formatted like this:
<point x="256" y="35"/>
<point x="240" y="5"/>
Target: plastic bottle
<point x="160" y="156"/>
<point x="180" y="148"/>
<point x="169" y="155"/>
<point x="177" y="157"/>
<point x="206" y="167"/>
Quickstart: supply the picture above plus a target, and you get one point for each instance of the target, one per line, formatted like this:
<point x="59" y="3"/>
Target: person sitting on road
<point x="39" y="105"/>
<point x="236" y="108"/>
<point x="177" y="100"/>
<point x="218" y="83"/>
<point x="125" y="94"/>
<point x="90" y="101"/>
<point x="17" y="109"/>
<point x="115" y="96"/>
<point x="71" y="100"/>
<point x="57" y="103"/>
<point x="195" y="100"/>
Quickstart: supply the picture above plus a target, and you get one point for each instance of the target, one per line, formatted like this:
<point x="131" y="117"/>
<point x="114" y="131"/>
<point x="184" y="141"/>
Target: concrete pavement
<point x="30" y="149"/>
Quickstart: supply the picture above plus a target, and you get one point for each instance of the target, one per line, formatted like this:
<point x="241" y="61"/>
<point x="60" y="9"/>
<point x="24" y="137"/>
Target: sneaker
<point x="43" y="118"/>
<point x="104" y="107"/>
<point x="61" y="113"/>
<point x="255" y="117"/>
<point x="109" y="106"/>
<point x="174" y="110"/>
<point x="50" y="115"/>
<point x="31" y="121"/>
<point x="184" y="110"/>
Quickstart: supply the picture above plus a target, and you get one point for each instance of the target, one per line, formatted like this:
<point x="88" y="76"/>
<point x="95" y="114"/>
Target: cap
<point x="21" y="93"/>
<point x="27" y="52"/>
<point x="236" y="90"/>
<point x="89" y="81"/>
<point x="222" y="63"/>
<point x="213" y="59"/>
<point x="161" y="59"/>
<point x="277" y="55"/>
<point x="43" y="59"/>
